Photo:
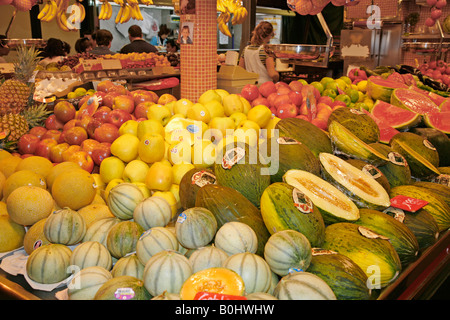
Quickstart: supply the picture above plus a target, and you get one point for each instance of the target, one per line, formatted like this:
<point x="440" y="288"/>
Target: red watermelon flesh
<point x="413" y="101"/>
<point x="386" y="132"/>
<point x="437" y="99"/>
<point x="439" y="120"/>
<point x="395" y="117"/>
<point x="445" y="106"/>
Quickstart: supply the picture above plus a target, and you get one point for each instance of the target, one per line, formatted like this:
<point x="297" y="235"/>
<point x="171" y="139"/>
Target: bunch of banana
<point x="220" y="6"/>
<point x="239" y="16"/>
<point x="124" y="14"/>
<point x="63" y="22"/>
<point x="77" y="14"/>
<point x="119" y="2"/>
<point x="82" y="10"/>
<point x="48" y="12"/>
<point x="136" y="13"/>
<point x="222" y="22"/>
<point x="147" y="2"/>
<point x="232" y="5"/>
<point x="105" y="11"/>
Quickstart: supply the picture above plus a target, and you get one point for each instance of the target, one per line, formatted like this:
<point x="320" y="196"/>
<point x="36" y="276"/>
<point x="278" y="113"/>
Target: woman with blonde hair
<point x="255" y="59"/>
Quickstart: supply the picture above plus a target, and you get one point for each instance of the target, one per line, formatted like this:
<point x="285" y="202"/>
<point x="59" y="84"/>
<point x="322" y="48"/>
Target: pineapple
<point x="13" y="126"/>
<point x="15" y="92"/>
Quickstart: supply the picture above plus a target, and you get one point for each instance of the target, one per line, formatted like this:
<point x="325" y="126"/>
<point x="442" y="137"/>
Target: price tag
<point x="408" y="203"/>
<point x="217" y="296"/>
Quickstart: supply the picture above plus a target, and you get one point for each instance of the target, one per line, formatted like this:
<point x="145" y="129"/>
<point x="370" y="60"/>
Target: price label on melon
<point x="443" y="179"/>
<point x="232" y="157"/>
<point x="217" y="296"/>
<point x="408" y="203"/>
<point x="301" y="201"/>
<point x="124" y="294"/>
<point x="203" y="178"/>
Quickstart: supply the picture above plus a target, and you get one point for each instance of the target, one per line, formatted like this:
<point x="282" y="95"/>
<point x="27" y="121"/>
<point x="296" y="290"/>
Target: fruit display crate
<point x="419" y="281"/>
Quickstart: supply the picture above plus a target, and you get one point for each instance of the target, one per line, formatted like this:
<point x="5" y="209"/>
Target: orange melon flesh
<point x="214" y="280"/>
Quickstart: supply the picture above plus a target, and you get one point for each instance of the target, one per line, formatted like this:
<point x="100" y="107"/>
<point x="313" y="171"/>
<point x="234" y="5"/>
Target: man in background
<point x="103" y="39"/>
<point x="137" y="43"/>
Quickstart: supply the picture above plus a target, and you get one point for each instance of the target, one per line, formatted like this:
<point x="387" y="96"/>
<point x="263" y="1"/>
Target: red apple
<point x="27" y="143"/>
<point x="56" y="152"/>
<point x="338" y="103"/>
<point x="260" y="101"/>
<point x="123" y="102"/>
<point x="250" y="92"/>
<point x="89" y="145"/>
<point x="140" y="111"/>
<point x="120" y="89"/>
<point x="295" y="97"/>
<point x="267" y="88"/>
<point x="83" y="159"/>
<point x="75" y="135"/>
<point x="26" y="155"/>
<point x="280" y="84"/>
<point x="296" y="85"/>
<point x="284" y="90"/>
<point x="44" y="146"/>
<point x="271" y="98"/>
<point x="70" y="124"/>
<point x="38" y="131"/>
<point x="108" y="99"/>
<point x="64" y="111"/>
<point x="100" y="152"/>
<point x="320" y="123"/>
<point x="84" y="121"/>
<point x="325" y="99"/>
<point x="92" y="125"/>
<point x="107" y="132"/>
<point x="117" y="117"/>
<point x="302" y="116"/>
<point x="101" y="113"/>
<point x="281" y="100"/>
<point x="66" y="154"/>
<point x="287" y="110"/>
<point x="105" y="85"/>
<point x="53" y="134"/>
<point x="140" y="96"/>
<point x="52" y="123"/>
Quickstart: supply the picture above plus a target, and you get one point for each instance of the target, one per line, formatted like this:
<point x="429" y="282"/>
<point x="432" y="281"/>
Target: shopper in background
<point x="255" y="59"/>
<point x="53" y="52"/>
<point x="103" y="38"/>
<point x="137" y="43"/>
<point x="161" y="38"/>
<point x="66" y="48"/>
<point x="83" y="45"/>
<point x="171" y="46"/>
<point x="4" y="49"/>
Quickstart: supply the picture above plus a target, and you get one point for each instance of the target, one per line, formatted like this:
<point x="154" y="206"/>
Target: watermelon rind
<point x="395" y="117"/>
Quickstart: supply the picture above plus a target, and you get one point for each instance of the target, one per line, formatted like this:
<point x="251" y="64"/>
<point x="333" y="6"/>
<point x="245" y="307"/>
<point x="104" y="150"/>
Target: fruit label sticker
<point x="37" y="244"/>
<point x="294" y="270"/>
<point x="397" y="158"/>
<point x="145" y="233"/>
<point x="443" y="179"/>
<point x="301" y="201"/>
<point x="217" y="296"/>
<point x="192" y="128"/>
<point x="232" y="157"/>
<point x="124" y="294"/>
<point x="399" y="214"/>
<point x="182" y="217"/>
<point x="428" y="144"/>
<point x="372" y="171"/>
<point x="369" y="234"/>
<point x="356" y="111"/>
<point x="203" y="177"/>
<point x="407" y="203"/>
<point x="321" y="252"/>
<point x="286" y="140"/>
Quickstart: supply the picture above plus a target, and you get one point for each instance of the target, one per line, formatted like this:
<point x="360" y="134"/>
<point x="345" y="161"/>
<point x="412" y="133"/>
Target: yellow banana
<point x="102" y="13"/>
<point x="109" y="11"/>
<point x="220" y="6"/>
<point x="83" y="11"/>
<point x="223" y="27"/>
<point x="51" y="13"/>
<point x="59" y="20"/>
<point x="126" y="14"/>
<point x="44" y="11"/>
<point x="119" y="15"/>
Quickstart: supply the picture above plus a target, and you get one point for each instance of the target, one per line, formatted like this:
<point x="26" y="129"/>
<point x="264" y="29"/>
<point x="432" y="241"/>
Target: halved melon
<point x="361" y="188"/>
<point x="395" y="117"/>
<point x="334" y="205"/>
<point x="439" y="120"/>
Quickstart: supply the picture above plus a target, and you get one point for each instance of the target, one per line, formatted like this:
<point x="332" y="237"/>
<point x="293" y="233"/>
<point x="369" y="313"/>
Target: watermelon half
<point x="445" y="106"/>
<point x="395" y="117"/>
<point x="414" y="101"/>
<point x="438" y="120"/>
<point x="386" y="132"/>
<point x="379" y="88"/>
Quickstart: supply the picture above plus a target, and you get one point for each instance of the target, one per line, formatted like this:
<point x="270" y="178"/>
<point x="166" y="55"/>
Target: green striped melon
<point x="123" y="288"/>
<point x="344" y="277"/>
<point x="98" y="231"/>
<point x="303" y="286"/>
<point x="49" y="263"/>
<point x="123" y="199"/>
<point x="373" y="253"/>
<point x="122" y="238"/>
<point x="439" y="189"/>
<point x="152" y="212"/>
<point x="128" y="265"/>
<point x="195" y="227"/>
<point x="65" y="226"/>
<point x="273" y="283"/>
<point x="362" y="189"/>
<point x="305" y="132"/>
<point x="287" y="251"/>
<point x="284" y="207"/>
<point x="86" y="282"/>
<point x="333" y="204"/>
<point x="166" y="271"/>
<point x="228" y="205"/>
<point x="402" y="239"/>
<point x="253" y="269"/>
<point x="191" y="182"/>
<point x="236" y="237"/>
<point x="436" y="206"/>
<point x="154" y="240"/>
<point x="207" y="257"/>
<point x="91" y="254"/>
<point x="421" y="223"/>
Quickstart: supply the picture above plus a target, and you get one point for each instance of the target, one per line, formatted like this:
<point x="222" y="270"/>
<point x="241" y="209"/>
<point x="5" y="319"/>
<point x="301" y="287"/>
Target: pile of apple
<point x="294" y="100"/>
<point x="439" y="70"/>
<point x="84" y="133"/>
